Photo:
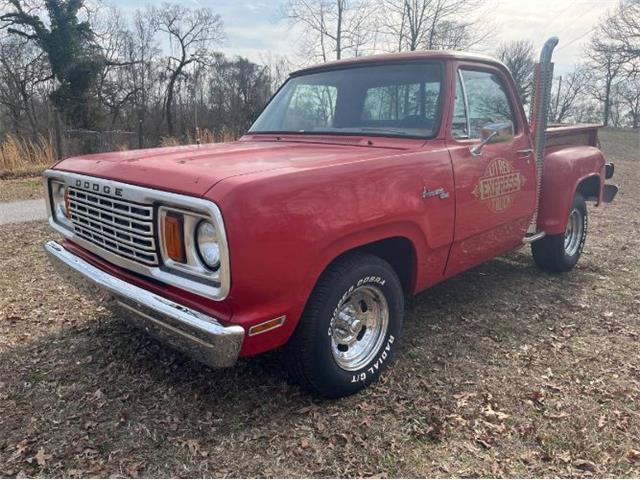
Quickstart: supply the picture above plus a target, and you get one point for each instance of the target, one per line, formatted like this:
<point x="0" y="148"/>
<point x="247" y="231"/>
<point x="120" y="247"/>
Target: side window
<point x="310" y="107"/>
<point x="487" y="100"/>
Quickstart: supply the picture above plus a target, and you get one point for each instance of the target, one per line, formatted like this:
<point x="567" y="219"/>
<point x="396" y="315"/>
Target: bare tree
<point x="608" y="65"/>
<point x="622" y="27"/>
<point x="158" y="73"/>
<point x="430" y="24"/>
<point x="333" y="28"/>
<point x="519" y="58"/>
<point x="278" y="69"/>
<point x="630" y="97"/>
<point x="142" y="51"/>
<point x="568" y="93"/>
<point x="23" y="71"/>
<point x="192" y="34"/>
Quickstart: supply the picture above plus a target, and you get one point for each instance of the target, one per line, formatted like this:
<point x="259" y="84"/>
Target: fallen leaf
<point x="483" y="443"/>
<point x="584" y="465"/>
<point x="22" y="447"/>
<point x="490" y="413"/>
<point x="41" y="457"/>
<point x="537" y="396"/>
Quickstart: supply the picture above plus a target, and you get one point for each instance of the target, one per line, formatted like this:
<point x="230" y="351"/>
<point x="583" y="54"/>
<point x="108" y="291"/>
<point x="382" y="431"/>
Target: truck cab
<point x="362" y="181"/>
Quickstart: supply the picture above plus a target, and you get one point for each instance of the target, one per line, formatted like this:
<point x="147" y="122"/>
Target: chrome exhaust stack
<point x="539" y="116"/>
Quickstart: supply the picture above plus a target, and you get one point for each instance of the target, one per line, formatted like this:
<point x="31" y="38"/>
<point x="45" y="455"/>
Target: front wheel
<point x="560" y="253"/>
<point x="350" y="328"/>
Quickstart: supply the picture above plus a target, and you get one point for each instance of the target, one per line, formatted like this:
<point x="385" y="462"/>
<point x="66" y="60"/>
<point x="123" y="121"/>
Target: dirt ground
<point x="504" y="371"/>
<point x="21" y="189"/>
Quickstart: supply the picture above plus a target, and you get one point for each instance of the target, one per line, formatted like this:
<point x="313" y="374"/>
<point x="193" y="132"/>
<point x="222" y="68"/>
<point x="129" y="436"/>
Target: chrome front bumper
<point x="198" y="335"/>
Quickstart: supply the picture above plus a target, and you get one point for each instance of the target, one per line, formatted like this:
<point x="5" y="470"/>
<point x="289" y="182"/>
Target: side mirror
<point x="493" y="133"/>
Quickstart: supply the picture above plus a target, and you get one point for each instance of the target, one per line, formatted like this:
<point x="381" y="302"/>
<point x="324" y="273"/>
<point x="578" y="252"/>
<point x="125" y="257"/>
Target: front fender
<point x="284" y="228"/>
<point x="565" y="169"/>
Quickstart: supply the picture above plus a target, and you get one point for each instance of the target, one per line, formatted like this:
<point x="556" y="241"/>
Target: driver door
<point x="495" y="188"/>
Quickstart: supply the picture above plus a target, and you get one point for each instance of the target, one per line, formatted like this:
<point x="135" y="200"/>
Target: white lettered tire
<point x="560" y="253"/>
<point x="350" y="328"/>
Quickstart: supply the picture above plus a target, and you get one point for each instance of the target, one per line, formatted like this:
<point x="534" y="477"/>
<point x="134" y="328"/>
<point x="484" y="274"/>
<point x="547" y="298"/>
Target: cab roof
<point x="400" y="57"/>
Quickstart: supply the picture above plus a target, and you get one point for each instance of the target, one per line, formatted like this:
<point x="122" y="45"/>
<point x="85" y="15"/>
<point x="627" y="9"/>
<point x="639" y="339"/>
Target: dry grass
<point x="22" y="156"/>
<point x="505" y="371"/>
<point x="21" y="189"/>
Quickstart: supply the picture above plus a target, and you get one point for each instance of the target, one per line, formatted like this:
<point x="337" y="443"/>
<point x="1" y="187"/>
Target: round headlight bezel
<point x="207" y="240"/>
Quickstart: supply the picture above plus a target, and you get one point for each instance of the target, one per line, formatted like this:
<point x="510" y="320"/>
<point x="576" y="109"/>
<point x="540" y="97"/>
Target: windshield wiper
<point x="383" y="130"/>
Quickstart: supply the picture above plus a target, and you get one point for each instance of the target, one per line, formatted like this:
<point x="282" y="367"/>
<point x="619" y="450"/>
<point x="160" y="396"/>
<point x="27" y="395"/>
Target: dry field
<point x="505" y="371"/>
<point x="21" y="189"/>
<point x="20" y="157"/>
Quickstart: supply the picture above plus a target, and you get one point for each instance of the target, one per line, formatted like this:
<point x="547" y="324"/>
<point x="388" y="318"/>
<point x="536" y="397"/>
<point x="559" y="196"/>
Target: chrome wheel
<point x="359" y="327"/>
<point x="573" y="233"/>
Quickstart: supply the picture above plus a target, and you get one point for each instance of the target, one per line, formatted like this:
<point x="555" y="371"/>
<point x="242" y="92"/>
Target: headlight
<point x="192" y="243"/>
<point x="207" y="245"/>
<point x="60" y="202"/>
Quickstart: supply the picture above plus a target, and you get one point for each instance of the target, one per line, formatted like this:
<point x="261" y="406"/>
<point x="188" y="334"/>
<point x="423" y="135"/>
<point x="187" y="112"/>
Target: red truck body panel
<point x="565" y="169"/>
<point x="293" y="203"/>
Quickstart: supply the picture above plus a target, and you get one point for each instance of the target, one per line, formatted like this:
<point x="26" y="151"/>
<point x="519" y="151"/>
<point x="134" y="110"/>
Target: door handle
<point x="525" y="152"/>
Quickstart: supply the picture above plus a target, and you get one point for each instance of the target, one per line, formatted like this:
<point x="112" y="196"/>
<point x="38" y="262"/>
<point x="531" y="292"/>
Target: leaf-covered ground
<point x="505" y="371"/>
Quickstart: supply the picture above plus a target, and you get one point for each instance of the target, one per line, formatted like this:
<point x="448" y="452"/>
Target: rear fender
<point x="567" y="171"/>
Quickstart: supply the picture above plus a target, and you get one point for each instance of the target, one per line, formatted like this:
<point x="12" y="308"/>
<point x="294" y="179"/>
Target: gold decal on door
<point x="499" y="185"/>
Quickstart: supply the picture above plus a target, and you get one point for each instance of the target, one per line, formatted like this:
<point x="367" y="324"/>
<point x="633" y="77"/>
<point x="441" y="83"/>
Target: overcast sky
<point x="254" y="29"/>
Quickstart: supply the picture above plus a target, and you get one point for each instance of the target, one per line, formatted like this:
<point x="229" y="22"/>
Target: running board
<point x="534" y="237"/>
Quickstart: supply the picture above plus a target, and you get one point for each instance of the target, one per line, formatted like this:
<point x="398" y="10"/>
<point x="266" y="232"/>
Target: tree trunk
<point x="339" y="31"/>
<point x="140" y="129"/>
<point x="169" y="103"/>
<point x="58" y="134"/>
<point x="607" y="103"/>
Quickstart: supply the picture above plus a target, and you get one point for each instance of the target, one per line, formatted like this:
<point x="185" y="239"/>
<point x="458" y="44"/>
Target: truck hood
<point x="194" y="169"/>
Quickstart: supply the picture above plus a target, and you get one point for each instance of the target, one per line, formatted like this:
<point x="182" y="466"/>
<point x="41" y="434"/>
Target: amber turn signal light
<point x="67" y="209"/>
<point x="173" y="237"/>
<point x="266" y="326"/>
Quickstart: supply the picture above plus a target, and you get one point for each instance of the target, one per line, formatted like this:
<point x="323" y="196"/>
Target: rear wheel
<point x="560" y="253"/>
<point x="350" y="328"/>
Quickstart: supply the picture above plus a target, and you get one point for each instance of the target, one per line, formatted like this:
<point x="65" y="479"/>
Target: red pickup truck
<point x="362" y="181"/>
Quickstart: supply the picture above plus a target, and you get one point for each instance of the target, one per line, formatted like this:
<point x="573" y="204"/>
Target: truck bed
<point x="572" y="135"/>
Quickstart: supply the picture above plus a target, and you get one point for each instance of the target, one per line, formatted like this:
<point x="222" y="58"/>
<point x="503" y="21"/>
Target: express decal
<point x="499" y="184"/>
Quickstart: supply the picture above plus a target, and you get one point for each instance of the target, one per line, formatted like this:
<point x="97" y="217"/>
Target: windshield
<point x="391" y="99"/>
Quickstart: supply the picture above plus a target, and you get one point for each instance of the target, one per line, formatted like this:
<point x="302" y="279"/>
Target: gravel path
<point x="22" y="211"/>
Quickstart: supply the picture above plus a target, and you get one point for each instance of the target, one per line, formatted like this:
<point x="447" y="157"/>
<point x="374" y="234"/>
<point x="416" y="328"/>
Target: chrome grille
<point x="117" y="225"/>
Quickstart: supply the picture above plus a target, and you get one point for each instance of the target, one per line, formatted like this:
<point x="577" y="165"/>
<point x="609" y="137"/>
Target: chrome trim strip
<point x="216" y="287"/>
<point x="466" y="102"/>
<point x="195" y="333"/>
